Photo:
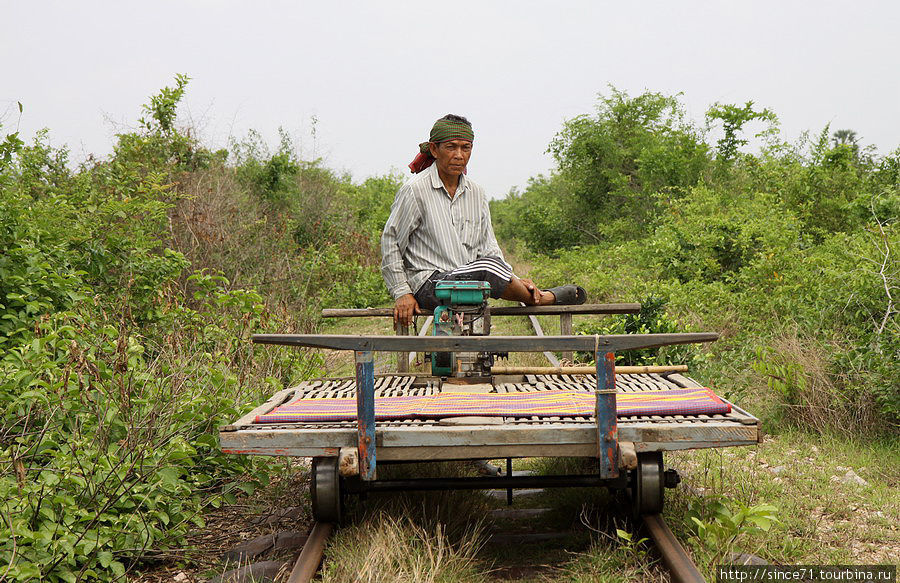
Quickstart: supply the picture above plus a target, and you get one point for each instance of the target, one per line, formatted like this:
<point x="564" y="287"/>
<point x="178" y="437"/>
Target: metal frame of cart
<point x="628" y="450"/>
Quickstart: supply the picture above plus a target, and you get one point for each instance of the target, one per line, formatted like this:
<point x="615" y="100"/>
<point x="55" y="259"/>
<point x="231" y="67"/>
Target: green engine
<point x="463" y="312"/>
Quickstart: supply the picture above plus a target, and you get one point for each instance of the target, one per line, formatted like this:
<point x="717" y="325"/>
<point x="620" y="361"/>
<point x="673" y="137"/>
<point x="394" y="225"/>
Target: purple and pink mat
<point x="691" y="401"/>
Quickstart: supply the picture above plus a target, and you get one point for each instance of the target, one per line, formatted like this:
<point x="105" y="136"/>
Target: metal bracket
<point x="607" y="438"/>
<point x="365" y="412"/>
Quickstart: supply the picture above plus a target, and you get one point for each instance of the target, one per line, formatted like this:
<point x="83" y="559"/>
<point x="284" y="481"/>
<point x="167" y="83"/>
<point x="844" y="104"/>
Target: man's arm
<point x="404" y="218"/>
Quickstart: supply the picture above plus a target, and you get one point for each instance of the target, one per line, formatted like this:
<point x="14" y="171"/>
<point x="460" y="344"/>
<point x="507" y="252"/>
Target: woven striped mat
<point x="692" y="401"/>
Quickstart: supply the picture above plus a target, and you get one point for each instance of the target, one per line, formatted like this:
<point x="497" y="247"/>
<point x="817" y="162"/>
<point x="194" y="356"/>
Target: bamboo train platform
<point x="470" y="408"/>
<point x="483" y="437"/>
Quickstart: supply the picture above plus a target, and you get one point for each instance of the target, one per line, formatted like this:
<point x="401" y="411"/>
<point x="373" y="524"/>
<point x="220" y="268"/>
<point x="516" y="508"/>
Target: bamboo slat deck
<point x="481" y="437"/>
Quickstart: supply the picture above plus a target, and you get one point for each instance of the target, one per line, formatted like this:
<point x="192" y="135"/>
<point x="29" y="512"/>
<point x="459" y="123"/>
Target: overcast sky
<point x="377" y="74"/>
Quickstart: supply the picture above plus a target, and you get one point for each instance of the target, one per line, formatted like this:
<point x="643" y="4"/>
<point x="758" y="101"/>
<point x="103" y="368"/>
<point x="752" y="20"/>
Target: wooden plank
<point x="563" y="433"/>
<point x="682" y="381"/>
<point x="605" y="343"/>
<point x="421" y="453"/>
<point x="741" y="416"/>
<point x="521" y="449"/>
<point x="565" y="329"/>
<point x="402" y="357"/>
<point x="471" y="420"/>
<point x="287" y="451"/>
<point x="279" y="439"/>
<point x="485" y="452"/>
<point x="422" y="332"/>
<point x="533" y="450"/>
<point x="277" y="399"/>
<point x="624" y="308"/>
<point x="474" y="388"/>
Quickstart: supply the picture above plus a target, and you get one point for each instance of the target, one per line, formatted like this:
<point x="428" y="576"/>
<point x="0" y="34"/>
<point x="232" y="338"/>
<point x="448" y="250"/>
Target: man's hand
<point x="404" y="309"/>
<point x="535" y="292"/>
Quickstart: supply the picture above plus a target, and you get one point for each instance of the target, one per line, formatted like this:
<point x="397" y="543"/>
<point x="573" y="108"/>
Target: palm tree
<point x="845" y="137"/>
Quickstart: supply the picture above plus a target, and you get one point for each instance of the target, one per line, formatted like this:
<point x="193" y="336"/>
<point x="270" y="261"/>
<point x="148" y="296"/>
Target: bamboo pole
<point x="497" y="310"/>
<point x="570" y="370"/>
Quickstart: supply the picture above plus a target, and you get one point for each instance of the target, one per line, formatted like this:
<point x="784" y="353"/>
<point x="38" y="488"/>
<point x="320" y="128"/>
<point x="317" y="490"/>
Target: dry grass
<point x="385" y="548"/>
<point x="411" y="536"/>
<point x="811" y="394"/>
<point x="220" y="227"/>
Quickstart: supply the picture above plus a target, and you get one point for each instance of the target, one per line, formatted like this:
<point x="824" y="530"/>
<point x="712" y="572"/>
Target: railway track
<point x="674" y="556"/>
<point x="311" y="556"/>
<point x="676" y="559"/>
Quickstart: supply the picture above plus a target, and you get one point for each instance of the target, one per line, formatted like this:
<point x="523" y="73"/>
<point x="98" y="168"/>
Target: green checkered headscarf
<point x="442" y="131"/>
<point x="447" y="129"/>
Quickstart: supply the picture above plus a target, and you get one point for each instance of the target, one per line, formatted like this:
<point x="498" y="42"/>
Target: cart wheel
<point x="325" y="490"/>
<point x="647" y="483"/>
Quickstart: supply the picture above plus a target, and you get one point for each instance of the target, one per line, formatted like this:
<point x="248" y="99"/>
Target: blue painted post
<point x="365" y="412"/>
<point x="607" y="440"/>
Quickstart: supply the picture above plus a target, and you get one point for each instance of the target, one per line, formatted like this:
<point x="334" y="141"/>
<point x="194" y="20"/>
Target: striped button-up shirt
<point x="428" y="231"/>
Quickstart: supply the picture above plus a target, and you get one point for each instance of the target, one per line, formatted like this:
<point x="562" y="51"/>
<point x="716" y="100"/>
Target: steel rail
<point x="674" y="556"/>
<point x="680" y="564"/>
<point x="539" y="331"/>
<point x="311" y="556"/>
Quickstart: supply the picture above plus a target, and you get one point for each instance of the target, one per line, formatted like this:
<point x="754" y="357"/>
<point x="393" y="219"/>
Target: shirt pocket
<point x="469" y="234"/>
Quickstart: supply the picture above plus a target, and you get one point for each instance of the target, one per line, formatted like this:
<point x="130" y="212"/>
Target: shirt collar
<point x="438" y="185"/>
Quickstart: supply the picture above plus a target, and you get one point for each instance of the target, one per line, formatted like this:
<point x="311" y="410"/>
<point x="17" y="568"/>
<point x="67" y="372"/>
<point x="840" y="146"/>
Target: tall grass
<point x="412" y="536"/>
<point x="385" y="548"/>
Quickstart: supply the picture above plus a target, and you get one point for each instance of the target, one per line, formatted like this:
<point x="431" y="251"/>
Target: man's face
<point x="451" y="156"/>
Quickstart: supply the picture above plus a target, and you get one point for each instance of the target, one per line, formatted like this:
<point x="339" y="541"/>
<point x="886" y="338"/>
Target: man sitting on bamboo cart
<point x="440" y="229"/>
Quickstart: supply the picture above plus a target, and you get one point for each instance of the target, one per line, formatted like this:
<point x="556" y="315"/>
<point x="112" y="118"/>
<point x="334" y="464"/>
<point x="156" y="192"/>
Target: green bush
<point x="540" y="216"/>
<point x="123" y="348"/>
<point x="616" y="161"/>
<point x="794" y="242"/>
<point x="710" y="236"/>
<point x="107" y="453"/>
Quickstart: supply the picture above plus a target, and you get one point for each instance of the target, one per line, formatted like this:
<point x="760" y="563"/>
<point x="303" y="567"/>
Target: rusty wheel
<point x="647" y="483"/>
<point x="325" y="490"/>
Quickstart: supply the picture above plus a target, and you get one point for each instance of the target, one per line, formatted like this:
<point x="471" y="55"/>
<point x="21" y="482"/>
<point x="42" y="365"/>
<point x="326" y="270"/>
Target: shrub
<point x="633" y="148"/>
<point x="119" y="358"/>
<point x="797" y="240"/>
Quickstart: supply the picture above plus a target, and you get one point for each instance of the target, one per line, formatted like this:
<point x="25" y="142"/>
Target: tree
<point x="733" y="119"/>
<point x="845" y="137"/>
<point x="616" y="161"/>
